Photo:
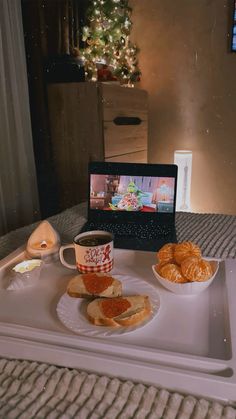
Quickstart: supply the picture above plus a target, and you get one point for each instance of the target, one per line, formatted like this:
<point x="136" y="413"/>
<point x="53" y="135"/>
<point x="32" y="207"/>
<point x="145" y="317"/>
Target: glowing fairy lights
<point x="107" y="40"/>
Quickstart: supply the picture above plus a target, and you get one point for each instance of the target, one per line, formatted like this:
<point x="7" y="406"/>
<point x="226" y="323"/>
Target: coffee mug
<point x="93" y="252"/>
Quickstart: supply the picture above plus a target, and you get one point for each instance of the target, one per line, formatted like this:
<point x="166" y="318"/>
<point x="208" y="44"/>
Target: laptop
<point x="134" y="201"/>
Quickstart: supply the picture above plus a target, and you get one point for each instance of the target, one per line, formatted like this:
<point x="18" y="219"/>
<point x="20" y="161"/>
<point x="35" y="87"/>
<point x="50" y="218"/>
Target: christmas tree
<point x="107" y="42"/>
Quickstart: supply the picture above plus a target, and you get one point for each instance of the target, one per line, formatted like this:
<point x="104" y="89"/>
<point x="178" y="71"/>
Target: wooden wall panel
<point x="138" y="157"/>
<point x="124" y="101"/>
<point x="75" y="142"/>
<point x="124" y="138"/>
<point x="80" y="134"/>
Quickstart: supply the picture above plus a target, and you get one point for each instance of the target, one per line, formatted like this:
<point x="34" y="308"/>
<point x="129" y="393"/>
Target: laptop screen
<point x="132" y="190"/>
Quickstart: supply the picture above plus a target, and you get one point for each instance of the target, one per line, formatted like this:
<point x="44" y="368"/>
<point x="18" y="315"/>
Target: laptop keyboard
<point x="142" y="231"/>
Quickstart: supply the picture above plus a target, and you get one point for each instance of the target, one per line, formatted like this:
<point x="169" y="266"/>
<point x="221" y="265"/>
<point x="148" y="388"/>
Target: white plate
<point x="72" y="311"/>
<point x="188" y="288"/>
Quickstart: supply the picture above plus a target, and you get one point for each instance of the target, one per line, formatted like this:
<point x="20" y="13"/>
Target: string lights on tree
<point x="108" y="53"/>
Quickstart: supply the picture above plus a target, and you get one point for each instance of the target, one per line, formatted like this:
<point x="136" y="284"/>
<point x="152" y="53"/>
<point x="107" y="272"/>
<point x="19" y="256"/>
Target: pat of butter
<point x="27" y="265"/>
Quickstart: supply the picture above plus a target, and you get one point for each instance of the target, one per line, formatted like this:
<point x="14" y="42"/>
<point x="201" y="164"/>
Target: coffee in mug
<point x="93" y="240"/>
<point x="93" y="252"/>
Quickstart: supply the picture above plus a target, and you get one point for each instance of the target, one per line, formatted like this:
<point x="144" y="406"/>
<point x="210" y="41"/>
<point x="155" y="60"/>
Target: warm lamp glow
<point x="183" y="159"/>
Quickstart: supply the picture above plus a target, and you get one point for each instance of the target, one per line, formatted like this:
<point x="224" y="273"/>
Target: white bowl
<point x="187" y="288"/>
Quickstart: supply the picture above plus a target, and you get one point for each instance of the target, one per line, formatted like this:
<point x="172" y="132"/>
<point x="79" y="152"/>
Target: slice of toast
<point x="120" y="311"/>
<point x="94" y="285"/>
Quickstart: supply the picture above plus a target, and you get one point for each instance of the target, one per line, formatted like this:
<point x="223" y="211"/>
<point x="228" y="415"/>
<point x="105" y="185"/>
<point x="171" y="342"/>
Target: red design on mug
<point x="106" y="253"/>
<point x="97" y="256"/>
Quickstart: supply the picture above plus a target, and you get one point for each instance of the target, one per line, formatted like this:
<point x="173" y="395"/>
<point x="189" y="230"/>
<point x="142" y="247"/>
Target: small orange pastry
<point x="166" y="253"/>
<point x="172" y="272"/>
<point x="184" y="250"/>
<point x="196" y="269"/>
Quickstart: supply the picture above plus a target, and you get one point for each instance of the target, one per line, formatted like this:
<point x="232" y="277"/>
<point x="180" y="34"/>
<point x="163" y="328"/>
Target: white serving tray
<point x="188" y="347"/>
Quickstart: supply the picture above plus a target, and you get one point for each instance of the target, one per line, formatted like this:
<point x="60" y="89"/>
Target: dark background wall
<point x="190" y="75"/>
<point x="188" y="70"/>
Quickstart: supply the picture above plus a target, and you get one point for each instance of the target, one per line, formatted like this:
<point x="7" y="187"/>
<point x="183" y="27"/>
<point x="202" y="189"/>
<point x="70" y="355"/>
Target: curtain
<point x="18" y="187"/>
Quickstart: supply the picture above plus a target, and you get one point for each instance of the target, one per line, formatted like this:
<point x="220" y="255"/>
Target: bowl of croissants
<point x="181" y="268"/>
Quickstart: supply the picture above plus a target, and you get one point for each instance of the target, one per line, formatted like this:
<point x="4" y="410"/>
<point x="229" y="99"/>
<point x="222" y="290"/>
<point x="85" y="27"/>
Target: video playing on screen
<point x="132" y="193"/>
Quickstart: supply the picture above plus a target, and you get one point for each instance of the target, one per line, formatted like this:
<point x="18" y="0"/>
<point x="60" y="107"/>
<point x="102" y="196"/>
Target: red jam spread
<point x="114" y="307"/>
<point x="95" y="284"/>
